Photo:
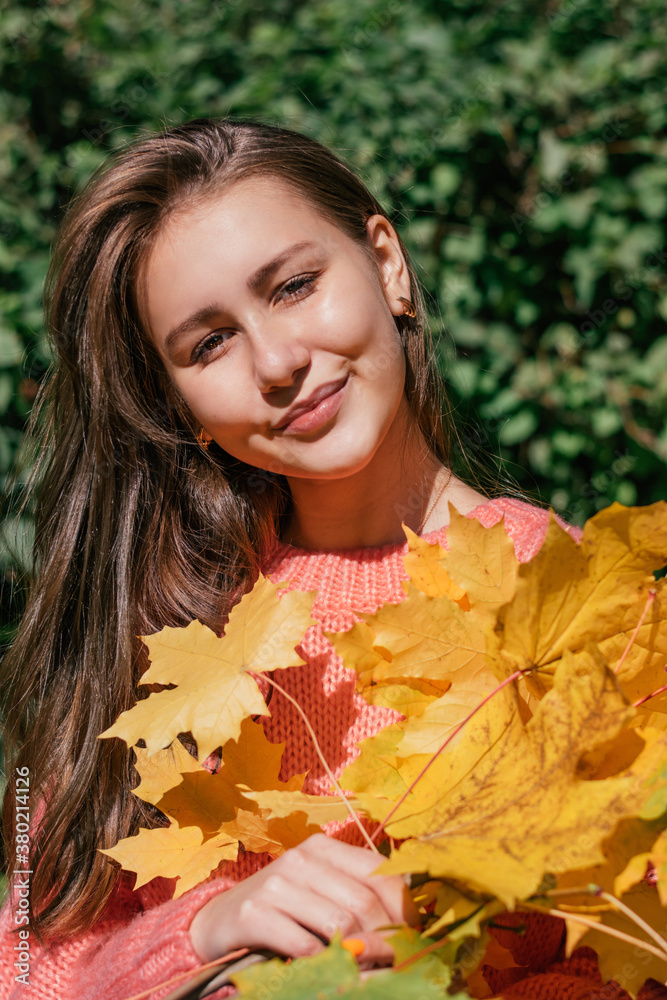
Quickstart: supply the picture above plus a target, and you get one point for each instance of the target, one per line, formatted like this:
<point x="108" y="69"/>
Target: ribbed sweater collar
<point x="357" y="578"/>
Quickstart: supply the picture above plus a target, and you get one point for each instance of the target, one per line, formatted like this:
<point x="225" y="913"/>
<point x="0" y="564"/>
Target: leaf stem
<point x="330" y="774"/>
<point x="623" y="908"/>
<point x="419" y="954"/>
<point x="649" y="601"/>
<point x="508" y="680"/>
<point x="575" y="890"/>
<point x="647" y="697"/>
<point x="614" y="902"/>
<point x="576" y="918"/>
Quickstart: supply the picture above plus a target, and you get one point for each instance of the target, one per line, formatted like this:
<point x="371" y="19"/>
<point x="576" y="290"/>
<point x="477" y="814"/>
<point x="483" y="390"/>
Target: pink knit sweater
<point x="143" y="938"/>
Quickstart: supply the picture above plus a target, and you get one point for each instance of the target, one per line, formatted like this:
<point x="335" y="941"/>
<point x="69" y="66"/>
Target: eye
<point x="212" y="342"/>
<point x="297" y="287"/>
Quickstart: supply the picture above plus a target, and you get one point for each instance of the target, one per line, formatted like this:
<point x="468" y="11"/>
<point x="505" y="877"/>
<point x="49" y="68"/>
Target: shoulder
<point x="525" y="523"/>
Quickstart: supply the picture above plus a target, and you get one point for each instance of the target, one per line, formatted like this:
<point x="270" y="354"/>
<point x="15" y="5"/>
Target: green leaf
<point x="11" y="348"/>
<point x="518" y="427"/>
<point x="335" y="974"/>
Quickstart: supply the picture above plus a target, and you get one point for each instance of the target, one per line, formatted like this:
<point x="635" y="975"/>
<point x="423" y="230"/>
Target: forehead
<point x="252" y="210"/>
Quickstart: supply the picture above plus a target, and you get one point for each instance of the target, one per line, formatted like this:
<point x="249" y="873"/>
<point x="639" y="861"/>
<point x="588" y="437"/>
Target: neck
<point x="367" y="508"/>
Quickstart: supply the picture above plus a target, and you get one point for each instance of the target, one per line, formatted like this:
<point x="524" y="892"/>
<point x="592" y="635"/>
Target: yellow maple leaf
<point x="215" y="691"/>
<point x="435" y="636"/>
<point x="192" y="796"/>
<point x="359" y="651"/>
<point x="320" y="809"/>
<point x="173" y="852"/>
<point x="199" y="798"/>
<point x="426" y="571"/>
<point x="595" y="591"/>
<point x="522" y="811"/>
<point x="380" y="772"/>
<point x="428" y="637"/>
<point x="391" y="761"/>
<point x="410" y="696"/>
<point x="631" y="840"/>
<point x="215" y="805"/>
<point x="425" y="733"/>
<point x="162" y="770"/>
<point x="659" y="858"/>
<point x="480" y="561"/>
<point x="650" y="659"/>
<point x="631" y="845"/>
<point x="262" y="834"/>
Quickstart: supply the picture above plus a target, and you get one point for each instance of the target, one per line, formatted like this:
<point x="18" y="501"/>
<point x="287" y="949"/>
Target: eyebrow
<point x="255" y="282"/>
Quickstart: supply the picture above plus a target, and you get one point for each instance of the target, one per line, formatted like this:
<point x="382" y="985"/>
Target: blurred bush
<point x="519" y="145"/>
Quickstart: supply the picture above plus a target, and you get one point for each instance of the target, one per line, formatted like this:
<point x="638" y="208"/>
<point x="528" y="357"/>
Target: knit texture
<point x="143" y="937"/>
<point x="536" y="944"/>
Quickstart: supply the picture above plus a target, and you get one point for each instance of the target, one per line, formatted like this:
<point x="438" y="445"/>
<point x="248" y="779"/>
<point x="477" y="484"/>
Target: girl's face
<point x="278" y="330"/>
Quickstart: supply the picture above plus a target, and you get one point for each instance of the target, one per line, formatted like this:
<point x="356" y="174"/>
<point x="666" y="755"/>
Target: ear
<point x="392" y="268"/>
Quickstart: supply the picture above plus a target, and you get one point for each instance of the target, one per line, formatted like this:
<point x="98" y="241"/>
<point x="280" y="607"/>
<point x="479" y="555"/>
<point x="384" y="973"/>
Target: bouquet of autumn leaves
<point x="527" y="777"/>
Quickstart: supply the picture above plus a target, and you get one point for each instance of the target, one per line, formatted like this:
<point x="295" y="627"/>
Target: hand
<point x="321" y="886"/>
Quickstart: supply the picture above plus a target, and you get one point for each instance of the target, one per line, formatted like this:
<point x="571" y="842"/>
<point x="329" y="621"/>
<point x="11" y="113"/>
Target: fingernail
<point x="355" y="946"/>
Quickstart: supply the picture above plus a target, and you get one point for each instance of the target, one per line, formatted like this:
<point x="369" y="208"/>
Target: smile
<point x="314" y="412"/>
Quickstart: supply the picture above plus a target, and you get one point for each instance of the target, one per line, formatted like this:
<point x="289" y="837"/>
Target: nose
<point x="279" y="358"/>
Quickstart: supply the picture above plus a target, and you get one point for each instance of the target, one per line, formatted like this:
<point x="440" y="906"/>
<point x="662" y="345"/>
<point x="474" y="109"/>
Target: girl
<point x="242" y="382"/>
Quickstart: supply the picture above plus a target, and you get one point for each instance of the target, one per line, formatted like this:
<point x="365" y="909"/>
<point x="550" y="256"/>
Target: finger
<point x="370" y="950"/>
<point x="315" y="910"/>
<point x="352" y="897"/>
<point x="357" y="861"/>
<point x="361" y="863"/>
<point x="265" y="927"/>
<point x="395" y="896"/>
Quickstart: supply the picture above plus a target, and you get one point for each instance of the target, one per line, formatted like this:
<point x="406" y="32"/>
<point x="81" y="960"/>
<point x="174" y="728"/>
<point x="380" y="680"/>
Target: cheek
<point x="369" y="339"/>
<point x="351" y="316"/>
<point x="383" y="363"/>
<point x="222" y="410"/>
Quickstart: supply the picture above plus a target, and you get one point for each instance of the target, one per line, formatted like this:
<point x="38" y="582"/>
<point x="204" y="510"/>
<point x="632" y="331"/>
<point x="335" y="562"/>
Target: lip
<point x="319" y="407"/>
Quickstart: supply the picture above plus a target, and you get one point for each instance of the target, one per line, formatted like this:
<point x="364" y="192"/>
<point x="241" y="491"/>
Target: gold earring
<point x="408" y="307"/>
<point x="201" y="440"/>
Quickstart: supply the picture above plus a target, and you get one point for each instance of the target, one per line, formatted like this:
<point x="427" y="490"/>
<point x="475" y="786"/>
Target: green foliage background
<point x="520" y="147"/>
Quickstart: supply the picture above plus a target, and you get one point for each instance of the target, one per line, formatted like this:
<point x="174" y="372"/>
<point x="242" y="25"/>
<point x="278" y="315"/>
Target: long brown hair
<point x="137" y="526"/>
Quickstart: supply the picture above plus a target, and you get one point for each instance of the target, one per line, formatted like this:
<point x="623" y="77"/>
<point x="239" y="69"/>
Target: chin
<point x="337" y="459"/>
